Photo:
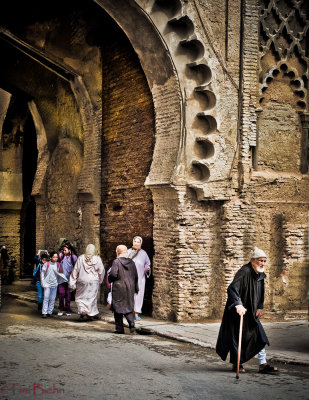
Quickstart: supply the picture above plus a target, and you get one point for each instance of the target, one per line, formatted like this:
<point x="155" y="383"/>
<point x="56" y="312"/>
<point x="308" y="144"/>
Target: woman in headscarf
<point x="87" y="275"/>
<point x="142" y="262"/>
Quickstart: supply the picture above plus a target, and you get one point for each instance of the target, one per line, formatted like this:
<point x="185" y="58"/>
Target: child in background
<point x="40" y="259"/>
<point x="51" y="276"/>
<point x="67" y="260"/>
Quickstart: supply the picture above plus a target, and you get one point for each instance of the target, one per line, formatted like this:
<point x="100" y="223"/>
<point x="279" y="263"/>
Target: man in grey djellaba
<point x="124" y="279"/>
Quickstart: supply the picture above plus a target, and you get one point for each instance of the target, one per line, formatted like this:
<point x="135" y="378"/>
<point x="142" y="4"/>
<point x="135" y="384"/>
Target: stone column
<point x="165" y="264"/>
<point x="248" y="84"/>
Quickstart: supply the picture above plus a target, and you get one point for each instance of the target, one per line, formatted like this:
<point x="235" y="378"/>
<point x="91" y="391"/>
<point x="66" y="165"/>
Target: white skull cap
<point x="258" y="253"/>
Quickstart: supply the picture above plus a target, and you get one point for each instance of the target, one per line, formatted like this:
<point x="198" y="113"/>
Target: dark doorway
<point x="19" y="145"/>
<point x="28" y="211"/>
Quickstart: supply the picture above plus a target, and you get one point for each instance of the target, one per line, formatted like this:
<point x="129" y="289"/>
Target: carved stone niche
<point x="304" y="166"/>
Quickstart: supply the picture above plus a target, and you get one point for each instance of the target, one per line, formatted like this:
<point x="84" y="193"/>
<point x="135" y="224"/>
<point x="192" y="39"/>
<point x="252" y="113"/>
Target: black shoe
<point x="96" y="317"/>
<point x="82" y="318"/>
<point x="49" y="315"/>
<point x="44" y="315"/>
<point x="119" y="332"/>
<point x="132" y="329"/>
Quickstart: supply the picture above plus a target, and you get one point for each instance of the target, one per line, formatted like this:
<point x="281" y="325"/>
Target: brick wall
<point x="127" y="148"/>
<point x="10" y="234"/>
<point x="165" y="263"/>
<point x="200" y="271"/>
<point x="187" y="265"/>
<point x="279" y="137"/>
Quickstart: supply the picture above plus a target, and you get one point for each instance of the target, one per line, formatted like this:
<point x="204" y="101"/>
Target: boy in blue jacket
<point x="39" y="261"/>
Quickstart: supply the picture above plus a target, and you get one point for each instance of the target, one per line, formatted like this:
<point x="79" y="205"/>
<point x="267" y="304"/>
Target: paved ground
<point x="289" y="340"/>
<point x="59" y="358"/>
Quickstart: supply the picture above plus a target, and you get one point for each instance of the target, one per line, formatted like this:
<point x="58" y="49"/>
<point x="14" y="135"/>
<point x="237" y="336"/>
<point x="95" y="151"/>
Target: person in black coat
<point x="124" y="279"/>
<point x="245" y="297"/>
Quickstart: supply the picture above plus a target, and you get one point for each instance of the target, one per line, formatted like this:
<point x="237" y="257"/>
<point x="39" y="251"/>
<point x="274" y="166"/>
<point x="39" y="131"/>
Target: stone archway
<point x="73" y="77"/>
<point x="18" y="166"/>
<point x="62" y="71"/>
<point x="187" y="131"/>
<point x="163" y="98"/>
<point x="160" y="72"/>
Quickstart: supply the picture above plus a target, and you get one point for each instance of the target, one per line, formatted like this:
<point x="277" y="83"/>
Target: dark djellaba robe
<point x="123" y="276"/>
<point x="247" y="289"/>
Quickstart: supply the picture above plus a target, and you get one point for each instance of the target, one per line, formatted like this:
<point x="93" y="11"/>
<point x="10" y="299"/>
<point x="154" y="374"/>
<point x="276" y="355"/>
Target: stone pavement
<point x="289" y="339"/>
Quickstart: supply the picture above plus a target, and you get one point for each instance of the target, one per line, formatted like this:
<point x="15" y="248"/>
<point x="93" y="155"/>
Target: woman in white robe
<point x="86" y="277"/>
<point x="142" y="262"/>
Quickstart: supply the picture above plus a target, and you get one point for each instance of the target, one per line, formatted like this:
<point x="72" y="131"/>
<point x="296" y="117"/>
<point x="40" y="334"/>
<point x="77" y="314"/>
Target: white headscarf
<point x="91" y="261"/>
<point x="90" y="252"/>
<point x="134" y="252"/>
<point x="258" y="253"/>
<point x="139" y="238"/>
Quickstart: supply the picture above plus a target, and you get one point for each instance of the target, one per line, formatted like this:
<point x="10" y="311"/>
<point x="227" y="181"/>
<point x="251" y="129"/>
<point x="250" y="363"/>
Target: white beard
<point x="260" y="269"/>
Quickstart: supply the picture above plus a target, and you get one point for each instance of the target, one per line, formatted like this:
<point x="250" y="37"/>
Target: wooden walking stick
<point x="239" y="345"/>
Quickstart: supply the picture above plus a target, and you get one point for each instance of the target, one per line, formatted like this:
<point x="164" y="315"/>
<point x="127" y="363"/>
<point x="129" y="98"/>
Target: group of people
<point x="127" y="276"/>
<point x="51" y="275"/>
<point x="65" y="272"/>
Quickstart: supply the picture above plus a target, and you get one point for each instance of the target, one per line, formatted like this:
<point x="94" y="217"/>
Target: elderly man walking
<point x="245" y="297"/>
<point x="124" y="279"/>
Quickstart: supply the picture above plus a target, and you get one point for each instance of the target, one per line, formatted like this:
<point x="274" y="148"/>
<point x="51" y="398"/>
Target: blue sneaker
<point x="138" y="318"/>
